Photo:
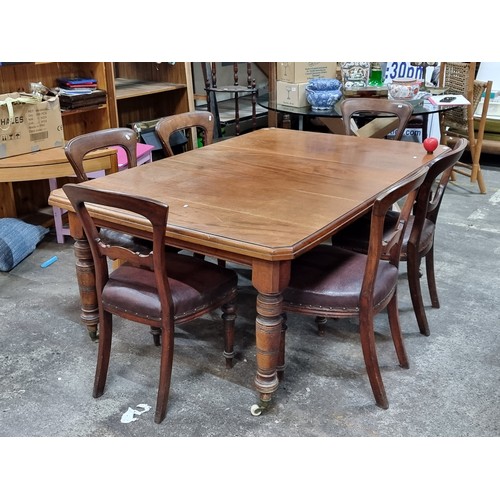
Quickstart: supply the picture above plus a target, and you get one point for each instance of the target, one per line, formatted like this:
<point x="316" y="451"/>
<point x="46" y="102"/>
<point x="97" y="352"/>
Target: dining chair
<point x="215" y="86"/>
<point x="80" y="146"/>
<point x="155" y="288"/>
<point x="419" y="237"/>
<point x="333" y="282"/>
<point x="459" y="78"/>
<point x="77" y="148"/>
<point x="375" y="117"/>
<point x="125" y="140"/>
<point x="185" y="123"/>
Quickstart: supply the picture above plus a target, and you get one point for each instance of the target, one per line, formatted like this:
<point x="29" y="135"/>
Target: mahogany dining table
<point x="260" y="199"/>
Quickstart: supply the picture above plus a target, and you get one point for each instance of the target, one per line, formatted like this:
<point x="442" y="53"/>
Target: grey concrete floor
<point x="452" y="389"/>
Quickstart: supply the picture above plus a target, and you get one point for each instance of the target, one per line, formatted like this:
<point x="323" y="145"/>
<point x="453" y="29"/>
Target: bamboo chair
<point x="459" y="78"/>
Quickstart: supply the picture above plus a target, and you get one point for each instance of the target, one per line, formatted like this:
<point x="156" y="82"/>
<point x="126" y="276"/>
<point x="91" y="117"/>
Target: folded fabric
<point x="18" y="239"/>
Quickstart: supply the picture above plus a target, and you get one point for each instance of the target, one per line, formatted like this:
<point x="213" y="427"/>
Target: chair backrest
<point x="458" y="78"/>
<point x="396" y="113"/>
<point x="80" y="195"/>
<point x="431" y="192"/>
<point x="389" y="243"/>
<point x="77" y="148"/>
<point x="185" y="122"/>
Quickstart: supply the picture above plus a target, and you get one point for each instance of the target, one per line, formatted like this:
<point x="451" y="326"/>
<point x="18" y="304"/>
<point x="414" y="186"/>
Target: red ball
<point x="430" y="144"/>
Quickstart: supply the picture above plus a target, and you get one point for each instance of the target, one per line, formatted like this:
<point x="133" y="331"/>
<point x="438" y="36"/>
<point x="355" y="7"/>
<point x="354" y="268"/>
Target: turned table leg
<point x="269" y="279"/>
<point x="85" y="275"/>
<point x="268" y="336"/>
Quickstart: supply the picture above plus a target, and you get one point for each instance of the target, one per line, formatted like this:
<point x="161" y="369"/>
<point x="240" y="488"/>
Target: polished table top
<point x="262" y="199"/>
<point x="269" y="194"/>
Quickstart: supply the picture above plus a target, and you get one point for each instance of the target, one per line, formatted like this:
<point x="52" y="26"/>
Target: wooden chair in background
<point x="126" y="141"/>
<point x="373" y="117"/>
<point x="459" y="78"/>
<point x="77" y="148"/>
<point x="186" y="123"/>
<point x="236" y="89"/>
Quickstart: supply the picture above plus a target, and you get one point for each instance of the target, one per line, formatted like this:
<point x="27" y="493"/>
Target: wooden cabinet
<point x="147" y="91"/>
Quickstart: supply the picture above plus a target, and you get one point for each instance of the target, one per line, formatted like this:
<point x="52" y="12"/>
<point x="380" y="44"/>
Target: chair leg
<point x="167" y="354"/>
<point x="229" y="318"/>
<point x="57" y="213"/>
<point x="477" y="176"/>
<point x="431" y="278"/>
<point x="371" y="362"/>
<point x="58" y="224"/>
<point x="321" y="323"/>
<point x="413" y="268"/>
<point x="397" y="338"/>
<point x="156" y="333"/>
<point x="103" y="353"/>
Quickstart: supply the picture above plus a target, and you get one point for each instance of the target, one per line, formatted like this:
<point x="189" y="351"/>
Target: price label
<point x="402" y="70"/>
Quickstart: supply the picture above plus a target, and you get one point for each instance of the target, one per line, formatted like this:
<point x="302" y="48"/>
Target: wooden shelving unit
<point x="147" y="91"/>
<point x="30" y="196"/>
<point x="136" y="91"/>
<point x="17" y="78"/>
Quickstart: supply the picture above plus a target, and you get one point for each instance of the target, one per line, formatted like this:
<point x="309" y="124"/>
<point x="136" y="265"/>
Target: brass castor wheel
<point x="256" y="410"/>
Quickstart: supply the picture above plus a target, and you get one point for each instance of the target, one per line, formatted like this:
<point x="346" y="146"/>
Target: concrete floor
<point x="452" y="388"/>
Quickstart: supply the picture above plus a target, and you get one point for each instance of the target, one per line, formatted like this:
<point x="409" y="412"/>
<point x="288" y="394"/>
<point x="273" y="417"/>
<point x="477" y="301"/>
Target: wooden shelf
<point x="127" y="89"/>
<point x="146" y="91"/>
<point x="83" y="109"/>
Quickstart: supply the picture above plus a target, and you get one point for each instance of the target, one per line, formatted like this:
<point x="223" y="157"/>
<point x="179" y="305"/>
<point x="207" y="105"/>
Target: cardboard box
<point x="291" y="94"/>
<point x="27" y="125"/>
<point x="301" y="72"/>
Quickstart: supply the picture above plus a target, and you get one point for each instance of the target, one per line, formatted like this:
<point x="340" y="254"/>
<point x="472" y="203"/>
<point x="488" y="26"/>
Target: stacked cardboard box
<point x="292" y="79"/>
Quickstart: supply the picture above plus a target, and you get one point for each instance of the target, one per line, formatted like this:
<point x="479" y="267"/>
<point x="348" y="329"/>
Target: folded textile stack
<point x="77" y="83"/>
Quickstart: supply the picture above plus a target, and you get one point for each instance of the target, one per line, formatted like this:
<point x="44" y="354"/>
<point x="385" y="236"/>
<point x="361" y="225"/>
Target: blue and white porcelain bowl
<point x="324" y="84"/>
<point x="322" y="99"/>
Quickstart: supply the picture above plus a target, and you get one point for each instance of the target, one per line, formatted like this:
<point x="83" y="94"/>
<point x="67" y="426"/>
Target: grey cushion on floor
<point x="17" y="240"/>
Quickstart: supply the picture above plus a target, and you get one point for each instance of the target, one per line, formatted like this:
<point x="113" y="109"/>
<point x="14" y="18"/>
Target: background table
<point x="45" y="164"/>
<point x="332" y="118"/>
